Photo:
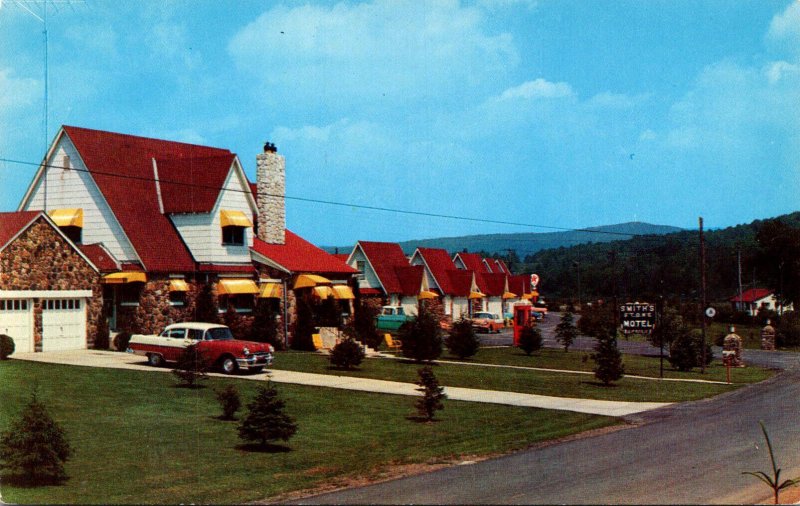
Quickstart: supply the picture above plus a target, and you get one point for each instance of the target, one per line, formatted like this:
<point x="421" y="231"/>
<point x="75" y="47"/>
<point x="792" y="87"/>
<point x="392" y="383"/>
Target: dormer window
<point x="70" y="222"/>
<point x="234" y="224"/>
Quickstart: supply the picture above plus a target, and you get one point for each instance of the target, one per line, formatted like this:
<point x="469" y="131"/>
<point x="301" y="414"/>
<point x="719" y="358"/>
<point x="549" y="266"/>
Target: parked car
<point x="487" y="322"/>
<point x="216" y="342"/>
<point x="391" y="318"/>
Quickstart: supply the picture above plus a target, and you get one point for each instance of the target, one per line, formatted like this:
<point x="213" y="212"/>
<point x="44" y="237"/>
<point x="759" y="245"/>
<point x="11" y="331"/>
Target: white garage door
<point x="16" y="321"/>
<point x="63" y="324"/>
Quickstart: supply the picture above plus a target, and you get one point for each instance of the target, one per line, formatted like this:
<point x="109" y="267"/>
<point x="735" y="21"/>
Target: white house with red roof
<point x="168" y="217"/>
<point x="753" y="299"/>
<point x="458" y="287"/>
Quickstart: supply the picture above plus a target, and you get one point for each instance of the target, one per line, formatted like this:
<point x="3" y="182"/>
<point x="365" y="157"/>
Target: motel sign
<point x="637" y="317"/>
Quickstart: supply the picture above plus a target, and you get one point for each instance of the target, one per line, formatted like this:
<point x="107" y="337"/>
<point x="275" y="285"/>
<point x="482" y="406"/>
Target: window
<point x="361" y="266"/>
<point x="130" y="293"/>
<point x="175" y="333"/>
<point x="242" y="303"/>
<point x="177" y="298"/>
<point x="73" y="233"/>
<point x="233" y="236"/>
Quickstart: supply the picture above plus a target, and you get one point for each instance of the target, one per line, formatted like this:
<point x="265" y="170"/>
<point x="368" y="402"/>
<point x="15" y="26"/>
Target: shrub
<point x="432" y="394"/>
<point x="347" y="354"/>
<point x="608" y="360"/>
<point x="205" y="306"/>
<point x="191" y="367"/>
<point x="788" y="330"/>
<point x="364" y="324"/>
<point x="34" y="448"/>
<point x="264" y="328"/>
<point x="421" y="337"/>
<point x="229" y="401"/>
<point x="530" y="339"/>
<point x="566" y="331"/>
<point x="304" y="326"/>
<point x="686" y="350"/>
<point x="101" y="339"/>
<point x="6" y="346"/>
<point x="461" y="340"/>
<point x="121" y="340"/>
<point x="265" y="420"/>
<point x="597" y="320"/>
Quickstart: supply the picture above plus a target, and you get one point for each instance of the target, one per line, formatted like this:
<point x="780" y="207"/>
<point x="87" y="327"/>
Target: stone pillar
<point x="271" y="195"/>
<point x="768" y="337"/>
<point x="732" y="349"/>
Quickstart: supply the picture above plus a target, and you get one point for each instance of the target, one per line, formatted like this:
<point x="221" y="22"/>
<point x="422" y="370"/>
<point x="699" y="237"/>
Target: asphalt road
<point x="691" y="453"/>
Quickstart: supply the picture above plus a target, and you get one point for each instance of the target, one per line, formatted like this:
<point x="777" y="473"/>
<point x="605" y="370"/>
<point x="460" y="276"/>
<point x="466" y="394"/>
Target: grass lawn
<point x="137" y="438"/>
<point x="540" y="382"/>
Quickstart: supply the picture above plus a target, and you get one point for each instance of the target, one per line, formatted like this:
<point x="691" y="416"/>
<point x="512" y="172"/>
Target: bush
<point x="265" y="420"/>
<point x="421" y="337"/>
<point x="686" y="350"/>
<point x="205" y="307"/>
<point x="304" y="325"/>
<point x="191" y="367"/>
<point x="461" y="340"/>
<point x="364" y="324"/>
<point x="34" y="448"/>
<point x="566" y="331"/>
<point x="264" y="328"/>
<point x="229" y="401"/>
<point x="101" y="339"/>
<point x="432" y="394"/>
<point x="788" y="330"/>
<point x="347" y="354"/>
<point x="608" y="360"/>
<point x="6" y="346"/>
<point x="530" y="339"/>
<point x="597" y="320"/>
<point x="121" y="340"/>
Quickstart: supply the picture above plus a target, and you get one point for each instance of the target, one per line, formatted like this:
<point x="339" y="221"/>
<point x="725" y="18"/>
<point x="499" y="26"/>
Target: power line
<point x="330" y="202"/>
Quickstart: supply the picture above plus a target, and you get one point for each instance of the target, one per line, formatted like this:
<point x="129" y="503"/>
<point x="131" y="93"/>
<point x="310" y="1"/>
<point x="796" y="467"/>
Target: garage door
<point x="16" y="321"/>
<point x="63" y="324"/>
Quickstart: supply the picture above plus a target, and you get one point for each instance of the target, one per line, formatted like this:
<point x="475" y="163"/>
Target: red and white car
<point x="488" y="322"/>
<point x="215" y="342"/>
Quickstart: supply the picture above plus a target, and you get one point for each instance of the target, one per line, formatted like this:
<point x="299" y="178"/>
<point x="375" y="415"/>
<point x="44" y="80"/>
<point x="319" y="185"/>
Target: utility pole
<point x="703" y="296"/>
<point x="740" y="278"/>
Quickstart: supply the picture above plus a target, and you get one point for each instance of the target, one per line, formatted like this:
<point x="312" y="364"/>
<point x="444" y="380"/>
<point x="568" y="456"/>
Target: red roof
<point x="298" y="255"/>
<point x="122" y="167"/>
<point x="100" y="257"/>
<point x="503" y="267"/>
<point x="223" y="269"/>
<point x="410" y="278"/>
<point x="439" y="263"/>
<point x="473" y="262"/>
<point x="752" y="295"/>
<point x="192" y="185"/>
<point x="519" y="284"/>
<point x="12" y="224"/>
<point x="460" y="282"/>
<point x="494" y="284"/>
<point x="370" y="291"/>
<point x="385" y="259"/>
<point x="342" y="256"/>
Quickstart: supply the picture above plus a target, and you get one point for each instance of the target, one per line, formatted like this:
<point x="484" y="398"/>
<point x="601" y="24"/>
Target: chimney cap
<point x="269" y="147"/>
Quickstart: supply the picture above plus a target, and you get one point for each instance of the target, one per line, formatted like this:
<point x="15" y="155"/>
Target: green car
<point x="391" y="318"/>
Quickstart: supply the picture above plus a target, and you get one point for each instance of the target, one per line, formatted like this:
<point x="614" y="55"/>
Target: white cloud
<point x="786" y="26"/>
<point x="539" y="88"/>
<point x="778" y="69"/>
<point x="16" y="92"/>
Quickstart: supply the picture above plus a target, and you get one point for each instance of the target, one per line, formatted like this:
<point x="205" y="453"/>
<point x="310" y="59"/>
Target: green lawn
<point x="540" y="382"/>
<point x="138" y="439"/>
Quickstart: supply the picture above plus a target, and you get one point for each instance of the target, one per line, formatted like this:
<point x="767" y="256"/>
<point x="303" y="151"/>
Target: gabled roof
<point x="192" y="185"/>
<point x="494" y="284"/>
<point x="752" y="295"/>
<point x="100" y="257"/>
<point x="12" y="224"/>
<point x="438" y="263"/>
<point x="297" y="255"/>
<point x="385" y="259"/>
<point x="460" y="282"/>
<point x="501" y="265"/>
<point x="472" y="261"/>
<point x="410" y="279"/>
<point x="519" y="284"/>
<point x="122" y="167"/>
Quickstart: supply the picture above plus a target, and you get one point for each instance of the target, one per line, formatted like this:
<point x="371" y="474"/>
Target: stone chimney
<point x="270" y="195"/>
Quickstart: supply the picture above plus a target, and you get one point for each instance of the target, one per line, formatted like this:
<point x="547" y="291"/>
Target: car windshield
<point x="483" y="315"/>
<point x="219" y="334"/>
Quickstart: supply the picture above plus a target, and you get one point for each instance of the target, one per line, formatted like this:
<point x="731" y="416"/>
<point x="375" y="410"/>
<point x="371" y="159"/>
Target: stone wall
<point x="270" y="197"/>
<point x="155" y="311"/>
<point x="41" y="259"/>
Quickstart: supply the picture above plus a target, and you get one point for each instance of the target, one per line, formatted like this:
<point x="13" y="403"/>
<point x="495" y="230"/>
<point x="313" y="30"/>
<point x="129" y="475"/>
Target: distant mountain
<point x="529" y="243"/>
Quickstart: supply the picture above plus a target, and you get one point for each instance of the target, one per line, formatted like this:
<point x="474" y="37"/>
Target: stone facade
<point x="732" y="349"/>
<point x="41" y="259"/>
<point x="270" y="196"/>
<point x="155" y="311"/>
<point x="768" y="337"/>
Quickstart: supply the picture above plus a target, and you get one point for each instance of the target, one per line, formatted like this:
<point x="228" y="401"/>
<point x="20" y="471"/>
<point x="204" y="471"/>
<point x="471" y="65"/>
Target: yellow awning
<point x="509" y="295"/>
<point x="67" y="217"/>
<point x="125" y="277"/>
<point x="476" y="295"/>
<point x="427" y="294"/>
<point x="178" y="285"/>
<point x="343" y="292"/>
<point x="309" y="280"/>
<point x="527" y="296"/>
<point x="270" y="291"/>
<point x="323" y="292"/>
<point x="534" y="293"/>
<point x="234" y="219"/>
<point x="236" y="287"/>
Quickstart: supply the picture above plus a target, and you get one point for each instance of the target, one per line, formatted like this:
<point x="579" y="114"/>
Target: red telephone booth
<point x="522" y="317"/>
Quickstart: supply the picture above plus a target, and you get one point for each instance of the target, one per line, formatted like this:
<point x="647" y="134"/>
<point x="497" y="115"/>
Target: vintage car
<point x="487" y="322"/>
<point x="215" y="341"/>
<point x="391" y="318"/>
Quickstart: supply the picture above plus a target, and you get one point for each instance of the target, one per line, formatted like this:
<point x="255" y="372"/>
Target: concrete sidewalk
<point x="116" y="360"/>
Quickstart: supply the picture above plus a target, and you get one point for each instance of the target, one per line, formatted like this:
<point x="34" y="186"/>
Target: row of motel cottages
<point x="130" y="229"/>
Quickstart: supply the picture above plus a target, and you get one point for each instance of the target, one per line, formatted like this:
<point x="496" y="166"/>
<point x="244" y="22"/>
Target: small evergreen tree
<point x="608" y="360"/>
<point x="566" y="331"/>
<point x="34" y="448"/>
<point x="304" y="325"/>
<point x="191" y="367"/>
<point x="432" y="394"/>
<point x="101" y="339"/>
<point x="347" y="354"/>
<point x="229" y="401"/>
<point x="6" y="346"/>
<point x="421" y="337"/>
<point x="265" y="420"/>
<point x="530" y="339"/>
<point x="461" y="340"/>
<point x="264" y="328"/>
<point x="205" y="307"/>
<point x="686" y="350"/>
<point x="122" y="340"/>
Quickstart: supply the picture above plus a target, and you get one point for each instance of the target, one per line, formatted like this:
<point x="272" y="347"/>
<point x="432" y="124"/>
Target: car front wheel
<point x="229" y="365"/>
<point x="155" y="360"/>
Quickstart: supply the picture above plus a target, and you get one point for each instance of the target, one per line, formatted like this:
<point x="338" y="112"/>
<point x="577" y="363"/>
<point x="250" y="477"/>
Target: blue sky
<point x="548" y="112"/>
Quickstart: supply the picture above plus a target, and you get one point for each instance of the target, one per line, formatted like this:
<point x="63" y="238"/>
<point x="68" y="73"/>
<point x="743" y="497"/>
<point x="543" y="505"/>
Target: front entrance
<point x="63" y="324"/>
